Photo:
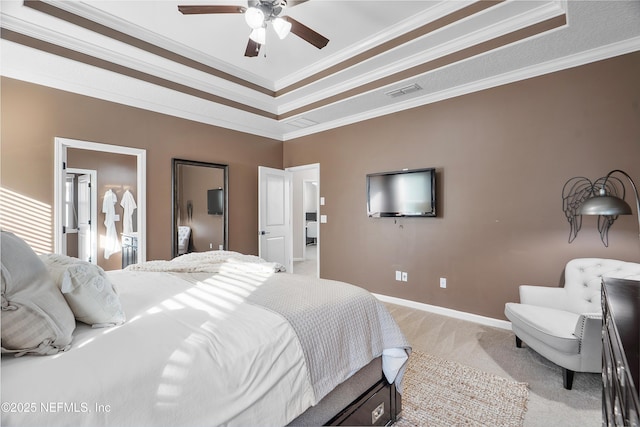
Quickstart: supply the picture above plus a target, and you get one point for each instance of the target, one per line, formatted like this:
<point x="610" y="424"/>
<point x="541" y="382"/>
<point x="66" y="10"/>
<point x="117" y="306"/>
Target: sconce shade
<point x="604" y="205"/>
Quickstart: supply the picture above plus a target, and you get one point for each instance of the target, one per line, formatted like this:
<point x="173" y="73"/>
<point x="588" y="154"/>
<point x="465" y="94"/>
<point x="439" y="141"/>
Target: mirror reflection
<point x="199" y="206"/>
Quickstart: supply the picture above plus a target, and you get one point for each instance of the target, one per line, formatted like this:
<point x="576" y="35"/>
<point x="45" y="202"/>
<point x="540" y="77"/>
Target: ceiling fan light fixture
<point x="259" y="35"/>
<point x="254" y="17"/>
<point x="281" y="27"/>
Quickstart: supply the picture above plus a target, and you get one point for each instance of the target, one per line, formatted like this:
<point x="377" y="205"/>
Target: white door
<point x="84" y="218"/>
<point x="274" y="216"/>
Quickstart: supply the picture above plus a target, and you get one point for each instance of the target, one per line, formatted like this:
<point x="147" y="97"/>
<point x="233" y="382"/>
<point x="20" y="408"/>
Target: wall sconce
<point x="189" y="210"/>
<point x="604" y="197"/>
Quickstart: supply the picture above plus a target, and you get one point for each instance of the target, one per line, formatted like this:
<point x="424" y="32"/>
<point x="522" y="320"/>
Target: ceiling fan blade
<point x="253" y="49"/>
<point x="201" y="9"/>
<point x="307" y="34"/>
<point x="291" y="3"/>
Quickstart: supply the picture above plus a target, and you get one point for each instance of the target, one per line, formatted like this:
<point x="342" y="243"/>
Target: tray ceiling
<point x="382" y="57"/>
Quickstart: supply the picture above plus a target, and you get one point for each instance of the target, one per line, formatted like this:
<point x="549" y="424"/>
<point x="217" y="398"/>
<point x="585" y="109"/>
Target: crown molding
<point x="34" y="66"/>
<point x="439" y="10"/>
<point x="582" y="58"/>
<point x="83" y="9"/>
<point x="425" y="53"/>
<point x="135" y="59"/>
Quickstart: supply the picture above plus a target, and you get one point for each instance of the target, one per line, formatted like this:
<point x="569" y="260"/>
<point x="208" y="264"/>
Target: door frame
<point x="315" y="166"/>
<point x="94" y="210"/>
<point x="59" y="173"/>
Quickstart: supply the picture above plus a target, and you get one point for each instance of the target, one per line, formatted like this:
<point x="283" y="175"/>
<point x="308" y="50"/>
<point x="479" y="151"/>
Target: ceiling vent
<point x="403" y="90"/>
<point x="302" y="123"/>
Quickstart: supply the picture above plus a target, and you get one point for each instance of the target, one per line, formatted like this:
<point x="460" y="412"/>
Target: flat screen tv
<point x="215" y="201"/>
<point x="402" y="193"/>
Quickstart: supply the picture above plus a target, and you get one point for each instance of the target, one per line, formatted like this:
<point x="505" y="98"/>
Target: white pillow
<point x="35" y="317"/>
<point x="91" y="296"/>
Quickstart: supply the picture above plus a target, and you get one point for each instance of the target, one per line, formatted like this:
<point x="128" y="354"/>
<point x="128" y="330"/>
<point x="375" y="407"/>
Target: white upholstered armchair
<point x="184" y="236"/>
<point x="565" y="324"/>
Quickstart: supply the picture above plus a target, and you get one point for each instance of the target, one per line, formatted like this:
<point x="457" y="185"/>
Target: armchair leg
<point x="567" y="378"/>
<point x="518" y="342"/>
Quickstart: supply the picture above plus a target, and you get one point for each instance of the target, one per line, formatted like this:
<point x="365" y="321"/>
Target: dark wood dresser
<point x="620" y="352"/>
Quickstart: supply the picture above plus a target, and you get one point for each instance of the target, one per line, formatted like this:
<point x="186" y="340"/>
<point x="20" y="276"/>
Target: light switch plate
<point x="323" y="219"/>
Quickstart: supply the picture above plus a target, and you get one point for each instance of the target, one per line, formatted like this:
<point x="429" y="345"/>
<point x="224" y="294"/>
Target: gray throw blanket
<point x="341" y="327"/>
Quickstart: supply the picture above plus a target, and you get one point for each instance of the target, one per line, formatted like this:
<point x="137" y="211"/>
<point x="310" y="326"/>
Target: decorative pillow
<point x="91" y="296"/>
<point x="35" y="316"/>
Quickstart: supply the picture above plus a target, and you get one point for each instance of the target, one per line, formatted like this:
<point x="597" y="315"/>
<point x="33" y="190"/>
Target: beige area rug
<point x="438" y="393"/>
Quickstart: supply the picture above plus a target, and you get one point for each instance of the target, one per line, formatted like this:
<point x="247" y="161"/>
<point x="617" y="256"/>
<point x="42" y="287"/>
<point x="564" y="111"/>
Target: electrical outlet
<point x="398" y="275"/>
<point x="210" y="245"/>
<point x="404" y="276"/>
<point x="443" y="282"/>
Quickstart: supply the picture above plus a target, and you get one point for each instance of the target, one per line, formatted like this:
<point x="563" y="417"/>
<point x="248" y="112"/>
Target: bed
<point x="217" y="338"/>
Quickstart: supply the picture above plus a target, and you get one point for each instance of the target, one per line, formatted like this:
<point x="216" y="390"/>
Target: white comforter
<point x="195" y="351"/>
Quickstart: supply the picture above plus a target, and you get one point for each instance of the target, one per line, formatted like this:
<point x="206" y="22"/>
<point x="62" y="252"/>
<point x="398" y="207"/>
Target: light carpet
<point x="438" y="392"/>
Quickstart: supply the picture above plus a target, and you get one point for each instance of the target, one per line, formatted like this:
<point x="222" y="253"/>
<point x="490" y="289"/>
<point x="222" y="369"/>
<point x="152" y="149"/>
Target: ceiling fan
<point x="257" y="15"/>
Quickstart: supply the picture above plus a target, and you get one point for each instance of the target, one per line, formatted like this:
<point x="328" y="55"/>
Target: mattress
<point x="230" y="347"/>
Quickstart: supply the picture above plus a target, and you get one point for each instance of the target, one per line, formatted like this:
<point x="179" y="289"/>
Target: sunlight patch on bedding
<point x="103" y="331"/>
<point x="240" y="289"/>
<point x="230" y="294"/>
<point x="156" y="309"/>
<point x="251" y="278"/>
<point x="193" y="302"/>
<point x="176" y="371"/>
<point x="171" y="304"/>
<point x="237" y="282"/>
<point x="169" y="390"/>
<point x="219" y="295"/>
<point x="134" y="318"/>
<point x="245" y="282"/>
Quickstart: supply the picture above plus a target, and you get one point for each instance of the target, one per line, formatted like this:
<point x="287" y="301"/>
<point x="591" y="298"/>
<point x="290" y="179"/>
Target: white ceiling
<point x="149" y="55"/>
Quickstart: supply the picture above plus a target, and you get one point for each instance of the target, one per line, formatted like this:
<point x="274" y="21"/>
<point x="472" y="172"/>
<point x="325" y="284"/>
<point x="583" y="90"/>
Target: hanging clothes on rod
<point x="111" y="244"/>
<point x="128" y="203"/>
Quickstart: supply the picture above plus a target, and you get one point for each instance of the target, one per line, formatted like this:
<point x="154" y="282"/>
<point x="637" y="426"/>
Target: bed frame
<point x="365" y="399"/>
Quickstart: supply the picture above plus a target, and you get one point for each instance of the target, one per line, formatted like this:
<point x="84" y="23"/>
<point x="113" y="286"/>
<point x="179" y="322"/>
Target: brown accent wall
<point x="502" y="156"/>
<point x="33" y="115"/>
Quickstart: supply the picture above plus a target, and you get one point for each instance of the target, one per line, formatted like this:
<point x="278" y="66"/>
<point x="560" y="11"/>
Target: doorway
<point x="284" y="216"/>
<point x="60" y="175"/>
<point x="81" y="213"/>
<point x="306" y="219"/>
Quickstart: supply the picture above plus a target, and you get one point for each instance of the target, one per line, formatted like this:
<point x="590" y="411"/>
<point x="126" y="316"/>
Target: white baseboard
<point x="489" y="321"/>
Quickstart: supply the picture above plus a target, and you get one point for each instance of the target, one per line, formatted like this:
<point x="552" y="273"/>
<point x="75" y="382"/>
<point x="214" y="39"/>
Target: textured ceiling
<point x="149" y="55"/>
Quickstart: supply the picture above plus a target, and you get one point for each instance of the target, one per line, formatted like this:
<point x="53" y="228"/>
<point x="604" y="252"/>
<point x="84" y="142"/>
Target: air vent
<point x="403" y="90"/>
<point x="302" y="122"/>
